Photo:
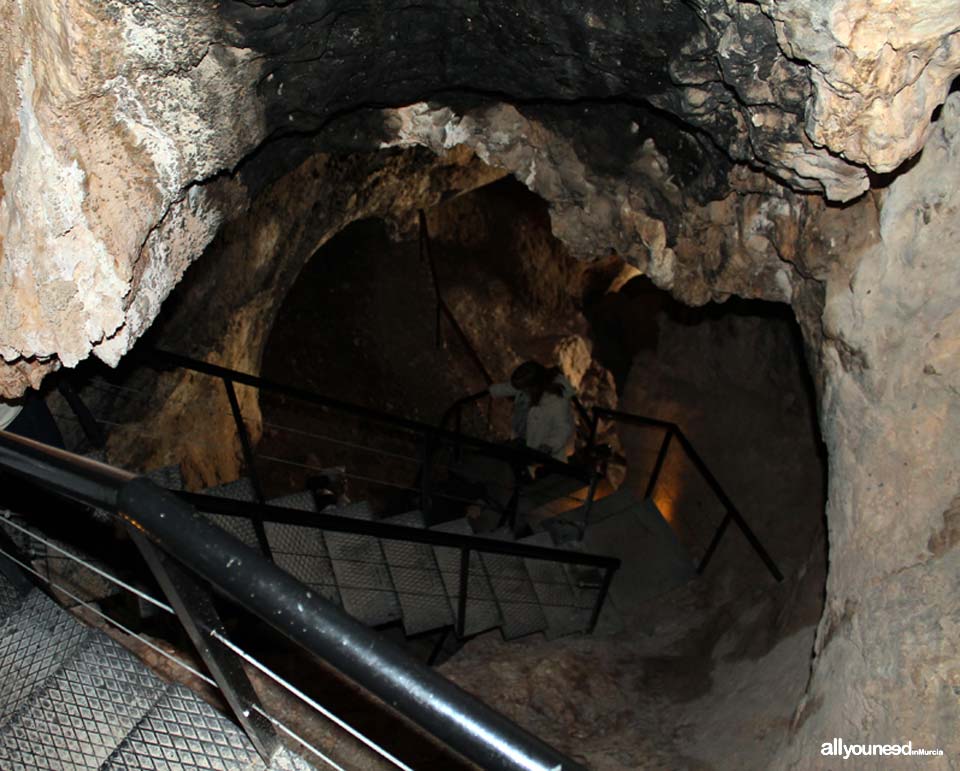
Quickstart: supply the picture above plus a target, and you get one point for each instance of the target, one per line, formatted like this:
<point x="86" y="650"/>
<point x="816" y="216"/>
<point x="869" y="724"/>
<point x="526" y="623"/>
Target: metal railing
<point x="188" y="555"/>
<point x="466" y="545"/>
<point x="442" y="309"/>
<point x="431" y="437"/>
<point x="671" y="431"/>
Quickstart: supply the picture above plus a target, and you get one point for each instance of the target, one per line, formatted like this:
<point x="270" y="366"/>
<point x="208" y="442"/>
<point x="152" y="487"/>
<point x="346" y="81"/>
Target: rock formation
<point x="779" y="149"/>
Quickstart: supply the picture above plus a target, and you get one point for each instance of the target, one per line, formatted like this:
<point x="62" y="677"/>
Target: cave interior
<point x="737" y="219"/>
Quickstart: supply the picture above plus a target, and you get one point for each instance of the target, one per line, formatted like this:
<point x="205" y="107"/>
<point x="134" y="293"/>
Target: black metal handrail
<point x="458" y="719"/>
<point x="512" y="454"/>
<point x="732" y="512"/>
<point x="442" y="309"/>
<point x="338" y="524"/>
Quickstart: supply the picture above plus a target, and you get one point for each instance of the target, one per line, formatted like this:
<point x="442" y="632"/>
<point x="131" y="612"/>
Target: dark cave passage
<point x="360" y="325"/>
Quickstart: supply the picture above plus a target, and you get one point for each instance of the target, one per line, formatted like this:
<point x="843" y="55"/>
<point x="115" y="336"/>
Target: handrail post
<point x="594" y="424"/>
<point x="458" y="448"/>
<point x="462" y="593"/>
<point x="591" y="493"/>
<point x="249" y="460"/>
<point x="426" y="473"/>
<point x="658" y="466"/>
<point x="601" y="597"/>
<point x="714" y="542"/>
<point x="195" y="610"/>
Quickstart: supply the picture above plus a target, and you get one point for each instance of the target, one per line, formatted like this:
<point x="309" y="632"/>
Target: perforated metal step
<point x="10" y="596"/>
<point x="302" y="551"/>
<point x="35" y="639"/>
<point x="413" y="567"/>
<point x="182" y="732"/>
<point x="359" y="565"/>
<point x="82" y="712"/>
<point x="46" y="554"/>
<point x="513" y="589"/>
<point x="482" y="612"/>
<point x="552" y="587"/>
<point x="239" y="527"/>
<point x="166" y="476"/>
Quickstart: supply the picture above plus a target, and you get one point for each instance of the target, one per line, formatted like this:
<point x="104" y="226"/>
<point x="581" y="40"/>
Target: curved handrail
<point x="460" y="720"/>
<point x="732" y="512"/>
<point x="519" y="456"/>
<point x="443" y="310"/>
<point x="460" y="403"/>
<point x="335" y="523"/>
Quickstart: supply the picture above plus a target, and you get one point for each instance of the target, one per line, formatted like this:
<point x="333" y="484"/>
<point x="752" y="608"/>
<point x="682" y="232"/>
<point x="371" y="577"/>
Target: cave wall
<point x="131" y="107"/>
<point x="886" y="653"/>
<point x="114" y="115"/>
<point x="119" y="141"/>
<point x="224" y="310"/>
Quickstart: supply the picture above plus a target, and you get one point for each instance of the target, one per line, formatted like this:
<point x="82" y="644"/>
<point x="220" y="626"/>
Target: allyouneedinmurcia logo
<point x="838" y="748"/>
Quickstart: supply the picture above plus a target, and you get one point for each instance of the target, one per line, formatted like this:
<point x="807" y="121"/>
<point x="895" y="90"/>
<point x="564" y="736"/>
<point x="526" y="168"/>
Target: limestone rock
<point x="115" y="112"/>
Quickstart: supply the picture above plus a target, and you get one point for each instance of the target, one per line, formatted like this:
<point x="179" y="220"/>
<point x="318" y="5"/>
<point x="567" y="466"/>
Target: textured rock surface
<point x="115" y="112"/>
<point x="122" y="110"/>
<point x="224" y="314"/>
<point x="887" y="655"/>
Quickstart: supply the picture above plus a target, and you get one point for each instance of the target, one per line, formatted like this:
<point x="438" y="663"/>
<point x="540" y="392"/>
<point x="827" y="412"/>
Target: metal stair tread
<point x="82" y="712"/>
<point x="557" y="597"/>
<point x="416" y="576"/>
<point x="363" y="579"/>
<point x="50" y="635"/>
<point x="301" y="550"/>
<point x="10" y="596"/>
<point x="239" y="527"/>
<point x="169" y="477"/>
<point x="182" y="731"/>
<point x="653" y="560"/>
<point x="78" y="580"/>
<point x="482" y="611"/>
<point x="513" y="589"/>
<point x="553" y="493"/>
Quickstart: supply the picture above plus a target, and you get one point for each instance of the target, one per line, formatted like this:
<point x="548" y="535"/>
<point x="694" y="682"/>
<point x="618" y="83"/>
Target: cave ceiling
<point x="137" y="129"/>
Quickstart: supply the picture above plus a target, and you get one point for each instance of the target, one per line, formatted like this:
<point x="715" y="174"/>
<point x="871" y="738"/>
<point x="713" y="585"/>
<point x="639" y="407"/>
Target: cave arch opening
<point x="360" y="324"/>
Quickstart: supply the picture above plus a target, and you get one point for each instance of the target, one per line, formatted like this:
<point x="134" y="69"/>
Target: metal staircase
<point x="72" y="698"/>
<point x="383" y="580"/>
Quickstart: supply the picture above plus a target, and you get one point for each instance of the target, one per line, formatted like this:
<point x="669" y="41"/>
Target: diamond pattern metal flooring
<point x="239" y="527"/>
<point x="166" y="476"/>
<point x="513" y="589"/>
<point x="183" y="733"/>
<point x="366" y="587"/>
<point x="413" y="567"/>
<point x="554" y="592"/>
<point x="35" y="640"/>
<point x="10" y="598"/>
<point x="302" y="551"/>
<point x="82" y="713"/>
<point x="482" y="612"/>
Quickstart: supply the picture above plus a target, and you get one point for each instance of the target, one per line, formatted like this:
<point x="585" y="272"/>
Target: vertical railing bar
<point x="459" y="429"/>
<point x="462" y="595"/>
<point x="591" y="494"/>
<point x="426" y="473"/>
<point x="195" y="610"/>
<point x="601" y="598"/>
<point x="250" y="461"/>
<point x="658" y="465"/>
<point x="714" y="542"/>
<point x="594" y="425"/>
